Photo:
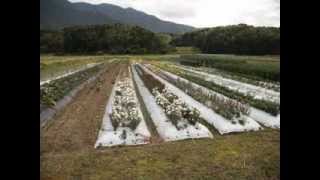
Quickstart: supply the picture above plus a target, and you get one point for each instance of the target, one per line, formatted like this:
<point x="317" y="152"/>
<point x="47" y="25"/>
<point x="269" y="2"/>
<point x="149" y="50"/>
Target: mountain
<point x="134" y="17"/>
<point x="56" y="14"/>
<point x="62" y="13"/>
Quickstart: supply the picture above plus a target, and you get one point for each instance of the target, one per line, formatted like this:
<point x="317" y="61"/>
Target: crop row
<point x="176" y="110"/>
<point x="268" y="85"/>
<point x="124" y="107"/>
<point x="228" y="108"/>
<point x="267" y="106"/>
<point x="257" y="70"/>
<point x="51" y="92"/>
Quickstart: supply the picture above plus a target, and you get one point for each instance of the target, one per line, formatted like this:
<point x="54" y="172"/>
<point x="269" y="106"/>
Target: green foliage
<point x="234" y="39"/>
<point x="114" y="39"/>
<point x="275" y="86"/>
<point x="175" y="109"/>
<point x="270" y="107"/>
<point x="51" y="41"/>
<point x="99" y="39"/>
<point x="253" y="69"/>
<point x="51" y="92"/>
<point x="229" y="109"/>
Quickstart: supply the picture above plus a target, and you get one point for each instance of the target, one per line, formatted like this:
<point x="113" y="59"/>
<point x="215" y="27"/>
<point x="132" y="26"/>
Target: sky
<point x="206" y="13"/>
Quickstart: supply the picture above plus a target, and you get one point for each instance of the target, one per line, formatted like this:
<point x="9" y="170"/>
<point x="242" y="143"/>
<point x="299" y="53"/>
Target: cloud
<point x="180" y="13"/>
<point x="206" y="13"/>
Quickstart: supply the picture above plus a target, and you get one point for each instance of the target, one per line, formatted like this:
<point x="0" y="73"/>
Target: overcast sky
<point x="206" y="13"/>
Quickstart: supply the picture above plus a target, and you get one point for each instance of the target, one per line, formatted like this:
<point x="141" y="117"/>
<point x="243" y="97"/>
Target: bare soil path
<point x="77" y="126"/>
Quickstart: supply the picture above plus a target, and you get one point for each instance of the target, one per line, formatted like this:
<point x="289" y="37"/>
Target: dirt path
<point x="77" y="126"/>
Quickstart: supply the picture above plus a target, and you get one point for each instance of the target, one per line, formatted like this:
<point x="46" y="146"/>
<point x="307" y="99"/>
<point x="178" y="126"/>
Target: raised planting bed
<point x="176" y="110"/>
<point x="271" y="107"/>
<point x="48" y="111"/>
<point x="68" y="72"/>
<point x="217" y="121"/>
<point x="202" y="94"/>
<point x="275" y="86"/>
<point x="123" y="122"/>
<point x="256" y="92"/>
<point x="228" y="108"/>
<point x="175" y="122"/>
<point x="55" y="90"/>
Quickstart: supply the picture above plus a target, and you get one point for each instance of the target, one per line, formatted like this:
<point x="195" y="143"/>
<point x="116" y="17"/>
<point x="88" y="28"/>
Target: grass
<point x="254" y="67"/>
<point x="51" y="66"/>
<point x="187" y="50"/>
<point x="251" y="155"/>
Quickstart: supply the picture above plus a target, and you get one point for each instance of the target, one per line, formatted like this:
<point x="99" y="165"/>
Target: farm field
<point x="165" y="116"/>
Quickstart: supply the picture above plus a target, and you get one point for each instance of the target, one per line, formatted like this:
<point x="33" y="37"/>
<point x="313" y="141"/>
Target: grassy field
<point x="56" y="65"/>
<point x="186" y="50"/>
<point x="253" y="155"/>
<point x="254" y="67"/>
<point x="67" y="143"/>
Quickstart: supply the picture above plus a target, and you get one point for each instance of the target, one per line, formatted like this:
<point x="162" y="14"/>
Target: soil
<point x="76" y="127"/>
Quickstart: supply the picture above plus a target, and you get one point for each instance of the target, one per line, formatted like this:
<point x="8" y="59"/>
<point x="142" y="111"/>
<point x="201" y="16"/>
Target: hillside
<point x="55" y="14"/>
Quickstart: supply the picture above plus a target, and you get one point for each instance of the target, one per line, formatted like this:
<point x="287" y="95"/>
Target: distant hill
<point x="55" y="14"/>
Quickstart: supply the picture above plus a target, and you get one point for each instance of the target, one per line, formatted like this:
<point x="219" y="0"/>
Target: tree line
<point x="113" y="39"/>
<point x="233" y="39"/>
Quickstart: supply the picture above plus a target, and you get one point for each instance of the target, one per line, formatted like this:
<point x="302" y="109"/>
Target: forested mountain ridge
<point x="57" y="14"/>
<point x="109" y="39"/>
<point x="233" y="39"/>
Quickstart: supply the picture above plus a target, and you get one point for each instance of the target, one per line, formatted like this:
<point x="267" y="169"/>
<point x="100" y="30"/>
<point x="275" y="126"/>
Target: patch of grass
<point x="51" y="66"/>
<point x="187" y="50"/>
<point x="251" y="155"/>
<point x="255" y="67"/>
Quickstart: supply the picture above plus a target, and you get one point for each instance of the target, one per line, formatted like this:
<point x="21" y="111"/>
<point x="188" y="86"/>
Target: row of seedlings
<point x="271" y="105"/>
<point x="67" y="72"/>
<point x="255" y="92"/>
<point x="219" y="122"/>
<point x="53" y="91"/>
<point x="275" y="86"/>
<point x="230" y="109"/>
<point x="173" y="118"/>
<point x="263" y="111"/>
<point x="123" y="122"/>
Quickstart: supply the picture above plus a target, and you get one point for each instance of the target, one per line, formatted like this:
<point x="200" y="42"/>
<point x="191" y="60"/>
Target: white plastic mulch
<point x="220" y="123"/>
<point x="69" y="73"/>
<point x="265" y="118"/>
<point x="260" y="116"/>
<point x="248" y="89"/>
<point x="165" y="128"/>
<point x="215" y="71"/>
<point x="108" y="136"/>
